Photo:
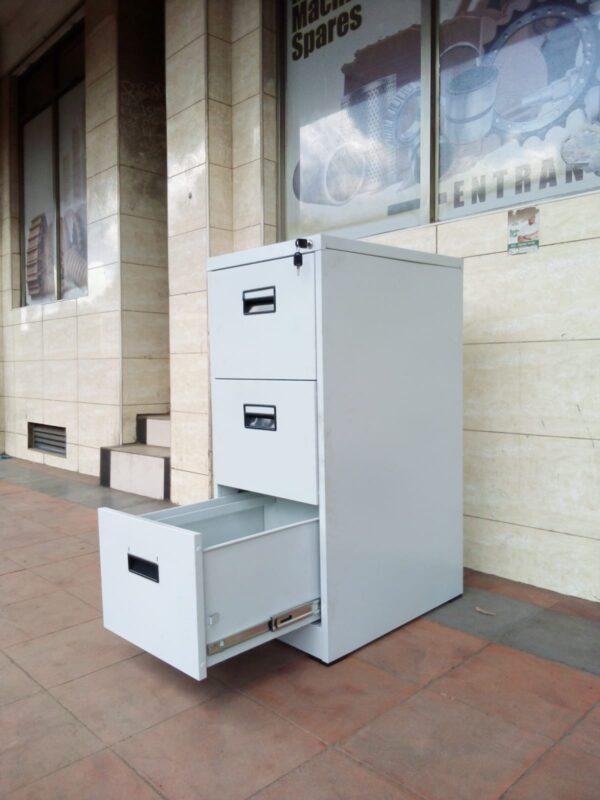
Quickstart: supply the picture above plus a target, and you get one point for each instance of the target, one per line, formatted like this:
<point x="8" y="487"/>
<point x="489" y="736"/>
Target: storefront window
<point x="352" y="113"/>
<point x="519" y="103"/>
<point x="51" y="110"/>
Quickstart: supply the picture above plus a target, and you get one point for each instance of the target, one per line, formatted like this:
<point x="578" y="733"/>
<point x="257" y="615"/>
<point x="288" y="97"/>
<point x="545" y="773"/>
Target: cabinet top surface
<point x="325" y="241"/>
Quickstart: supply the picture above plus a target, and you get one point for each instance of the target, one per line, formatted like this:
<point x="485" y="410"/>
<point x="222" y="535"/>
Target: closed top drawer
<point x="262" y="320"/>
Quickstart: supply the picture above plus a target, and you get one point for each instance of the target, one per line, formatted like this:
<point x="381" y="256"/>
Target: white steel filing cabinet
<point x="337" y="457"/>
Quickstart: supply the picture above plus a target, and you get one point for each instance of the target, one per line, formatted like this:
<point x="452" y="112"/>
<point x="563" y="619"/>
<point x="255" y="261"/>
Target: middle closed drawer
<point x="265" y="437"/>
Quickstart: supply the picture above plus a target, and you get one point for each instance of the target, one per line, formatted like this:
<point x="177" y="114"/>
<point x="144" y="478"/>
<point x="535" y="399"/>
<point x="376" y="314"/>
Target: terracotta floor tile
<point x="90" y="538"/>
<point x="563" y="774"/>
<point x="66" y="519"/>
<point x="421" y="651"/>
<point x="532" y="693"/>
<point x="11" y="634"/>
<point x="330" y="701"/>
<point x="6" y="487"/>
<point x="442" y="749"/>
<point x="132" y="695"/>
<point x="227" y="748"/>
<point x="16" y="586"/>
<point x="18" y="531"/>
<point x="8" y="565"/>
<point x="71" y="570"/>
<point x="254" y="663"/>
<point x="37" y="736"/>
<point x="586" y="734"/>
<point x="332" y="776"/>
<point x="518" y="591"/>
<point x="69" y="654"/>
<point x="14" y="683"/>
<point x="51" y="612"/>
<point x="103" y="776"/>
<point x="54" y="550"/>
<point x="578" y="608"/>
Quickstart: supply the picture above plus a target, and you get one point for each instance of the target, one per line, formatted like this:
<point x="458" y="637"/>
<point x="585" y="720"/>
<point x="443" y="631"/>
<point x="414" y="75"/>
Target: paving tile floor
<point x="457" y="705"/>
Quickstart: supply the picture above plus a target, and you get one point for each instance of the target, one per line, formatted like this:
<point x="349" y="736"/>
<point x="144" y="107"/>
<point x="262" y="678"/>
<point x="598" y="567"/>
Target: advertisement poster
<point x="523" y="230"/>
<point x="519" y="102"/>
<point x="352" y="112"/>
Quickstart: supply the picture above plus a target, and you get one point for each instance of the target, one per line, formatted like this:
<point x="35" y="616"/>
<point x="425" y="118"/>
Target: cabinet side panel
<point x="391" y="386"/>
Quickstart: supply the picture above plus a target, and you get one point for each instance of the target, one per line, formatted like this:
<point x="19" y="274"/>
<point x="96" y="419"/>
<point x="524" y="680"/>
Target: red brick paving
<point x="425" y="713"/>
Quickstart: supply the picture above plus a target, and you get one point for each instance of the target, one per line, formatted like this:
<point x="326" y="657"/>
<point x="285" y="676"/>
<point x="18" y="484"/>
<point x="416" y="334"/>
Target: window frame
<point x="52" y="101"/>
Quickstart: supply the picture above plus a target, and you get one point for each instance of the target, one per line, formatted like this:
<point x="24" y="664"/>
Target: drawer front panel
<point x="265" y="437"/>
<point x="262" y="320"/>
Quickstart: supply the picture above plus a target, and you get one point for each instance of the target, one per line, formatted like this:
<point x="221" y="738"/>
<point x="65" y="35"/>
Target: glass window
<point x="519" y="103"/>
<point x="54" y="225"/>
<point x="352" y="113"/>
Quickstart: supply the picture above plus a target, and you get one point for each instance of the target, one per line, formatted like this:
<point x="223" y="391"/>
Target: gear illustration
<point x="397" y="108"/>
<point x="570" y="51"/>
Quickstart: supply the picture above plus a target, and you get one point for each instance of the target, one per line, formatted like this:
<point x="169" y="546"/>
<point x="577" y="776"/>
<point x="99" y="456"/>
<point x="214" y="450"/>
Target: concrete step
<point x="142" y="469"/>
<point x="154" y="429"/>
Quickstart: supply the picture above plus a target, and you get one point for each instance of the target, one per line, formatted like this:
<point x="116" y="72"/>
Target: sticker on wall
<point x="523" y="230"/>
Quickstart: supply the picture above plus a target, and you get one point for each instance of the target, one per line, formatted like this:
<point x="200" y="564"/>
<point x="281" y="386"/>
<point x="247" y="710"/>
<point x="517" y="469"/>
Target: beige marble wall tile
<point x="59" y="310"/>
<point x="101" y="50"/>
<point x="185" y="20"/>
<point x="269" y="62"/>
<point x="246" y="131"/>
<point x="270" y="234"/>
<point x="270" y="128"/>
<point x="60" y="338"/>
<point x="245" y="17"/>
<point x="245" y="67"/>
<point x="25" y="315"/>
<point x="69" y="461"/>
<point x="221" y="241"/>
<point x="26" y="410"/>
<point x="187" y="201"/>
<point x="144" y="288"/>
<point x="189" y="487"/>
<point x="246" y="188"/>
<point x="99" y="335"/>
<point x="8" y="372"/>
<point x="220" y="133"/>
<point x="129" y="417"/>
<point x="24" y="379"/>
<point x="186" y="76"/>
<point x="570" y="219"/>
<point x="9" y="406"/>
<point x="101" y="100"/>
<point x="186" y="138"/>
<point x="473" y="236"/>
<point x="219" y="18"/>
<point x="269" y="14"/>
<point x="270" y="192"/>
<point x="104" y="291"/>
<point x="547" y="295"/>
<point x="145" y="381"/>
<point x="143" y="193"/>
<point x="189" y="383"/>
<point x="103" y="242"/>
<point x="99" y="380"/>
<point x="63" y="415"/>
<point x="143" y="241"/>
<point x="28" y="342"/>
<point x="18" y="445"/>
<point x="10" y="235"/>
<point x="555" y="561"/>
<point x="99" y="425"/>
<point x="89" y="460"/>
<point x="60" y="380"/>
<point x="247" y="238"/>
<point x="537" y="481"/>
<point x="103" y="195"/>
<point x="189" y="323"/>
<point x="187" y="261"/>
<point x="422" y="238"/>
<point x="219" y="70"/>
<point x="145" y="335"/>
<point x="190" y="442"/>
<point x="220" y="197"/>
<point x="142" y="475"/>
<point x="544" y="388"/>
<point x="101" y="147"/>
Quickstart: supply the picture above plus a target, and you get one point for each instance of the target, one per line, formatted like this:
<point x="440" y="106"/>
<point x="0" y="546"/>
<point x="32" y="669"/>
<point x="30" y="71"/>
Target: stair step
<point x="142" y="469"/>
<point x="154" y="429"/>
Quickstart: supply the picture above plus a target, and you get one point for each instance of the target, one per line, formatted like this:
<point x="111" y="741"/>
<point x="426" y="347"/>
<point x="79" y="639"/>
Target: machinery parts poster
<point x="523" y="230"/>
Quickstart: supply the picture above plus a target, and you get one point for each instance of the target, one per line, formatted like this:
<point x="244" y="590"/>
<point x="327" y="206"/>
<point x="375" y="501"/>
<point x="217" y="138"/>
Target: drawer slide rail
<point x="275" y="623"/>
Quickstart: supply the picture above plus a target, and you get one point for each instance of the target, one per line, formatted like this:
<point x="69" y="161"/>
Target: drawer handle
<point x="259" y="301"/>
<point x="143" y="567"/>
<point x="260" y="418"/>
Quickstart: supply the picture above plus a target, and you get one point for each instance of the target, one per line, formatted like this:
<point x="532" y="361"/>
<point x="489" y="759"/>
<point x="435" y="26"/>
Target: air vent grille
<point x="48" y="438"/>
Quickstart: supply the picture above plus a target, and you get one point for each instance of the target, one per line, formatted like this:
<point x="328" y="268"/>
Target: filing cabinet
<point x="337" y="459"/>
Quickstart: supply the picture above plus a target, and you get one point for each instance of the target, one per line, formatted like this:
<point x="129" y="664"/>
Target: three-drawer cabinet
<point x="336" y="382"/>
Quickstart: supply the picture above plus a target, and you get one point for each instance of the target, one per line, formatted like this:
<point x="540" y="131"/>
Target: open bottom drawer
<point x="198" y="584"/>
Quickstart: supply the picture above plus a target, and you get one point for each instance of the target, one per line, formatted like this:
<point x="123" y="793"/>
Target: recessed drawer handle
<point x="143" y="567"/>
<point x="259" y="301"/>
<point x="260" y="418"/>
